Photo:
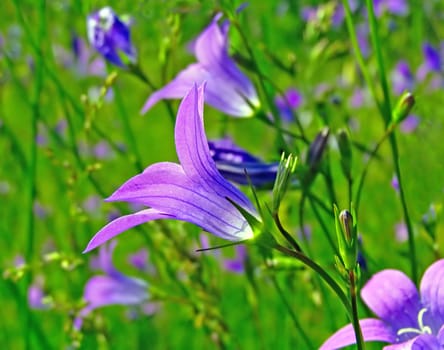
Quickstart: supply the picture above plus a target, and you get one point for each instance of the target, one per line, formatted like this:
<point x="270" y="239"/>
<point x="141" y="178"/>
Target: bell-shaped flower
<point x="228" y="89"/>
<point x="111" y="37"/>
<point x="192" y="191"/>
<point x="407" y="319"/>
<point x="112" y="288"/>
<point x="237" y="165"/>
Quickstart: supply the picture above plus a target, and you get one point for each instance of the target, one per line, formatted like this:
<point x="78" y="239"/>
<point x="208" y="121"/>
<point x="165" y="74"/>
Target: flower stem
<point x="387" y="116"/>
<point x="323" y="274"/>
<point x="354" y="303"/>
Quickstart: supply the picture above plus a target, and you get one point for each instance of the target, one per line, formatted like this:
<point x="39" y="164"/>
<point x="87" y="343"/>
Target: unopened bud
<point x="403" y="108"/>
<point x="317" y="148"/>
<point x="347" y="238"/>
<point x="286" y="168"/>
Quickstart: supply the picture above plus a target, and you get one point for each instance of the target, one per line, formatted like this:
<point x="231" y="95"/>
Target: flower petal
<point x="426" y="342"/>
<point x="432" y="295"/>
<point x="392" y="296"/>
<point x="123" y="223"/>
<point x="166" y="188"/>
<point x="105" y="290"/>
<point x="179" y="86"/>
<point x="194" y="154"/>
<point x="372" y="330"/>
<point x="212" y="52"/>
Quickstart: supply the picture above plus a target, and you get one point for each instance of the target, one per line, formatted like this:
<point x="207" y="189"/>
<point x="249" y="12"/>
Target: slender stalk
<point x="31" y="185"/>
<point x="367" y="165"/>
<point x="274" y="114"/>
<point x="322" y="273"/>
<point x="323" y="225"/>
<point x="293" y="316"/>
<point x="386" y="114"/>
<point x="354" y="302"/>
<point x="129" y="134"/>
<point x="285" y="233"/>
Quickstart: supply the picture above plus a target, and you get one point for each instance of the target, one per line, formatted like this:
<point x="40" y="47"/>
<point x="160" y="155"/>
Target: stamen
<point x="422" y="328"/>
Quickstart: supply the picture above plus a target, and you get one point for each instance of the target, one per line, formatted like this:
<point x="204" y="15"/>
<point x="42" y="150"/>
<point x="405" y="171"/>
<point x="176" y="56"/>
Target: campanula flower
<point x="192" y="191"/>
<point x="432" y="66"/>
<point x="407" y="319"/>
<point x="228" y="89"/>
<point x="112" y="288"/>
<point x="286" y="104"/>
<point x="394" y="7"/>
<point x="111" y="37"/>
<point x="233" y="162"/>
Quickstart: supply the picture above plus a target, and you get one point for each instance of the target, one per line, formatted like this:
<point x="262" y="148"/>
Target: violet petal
<point x="393" y="297"/>
<point x="372" y="330"/>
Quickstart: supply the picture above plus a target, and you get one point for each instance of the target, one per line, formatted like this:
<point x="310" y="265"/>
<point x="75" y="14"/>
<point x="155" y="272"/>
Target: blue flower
<point x="192" y="191"/>
<point x="112" y="288"/>
<point x="233" y="161"/>
<point x="228" y="89"/>
<point x="111" y="37"/>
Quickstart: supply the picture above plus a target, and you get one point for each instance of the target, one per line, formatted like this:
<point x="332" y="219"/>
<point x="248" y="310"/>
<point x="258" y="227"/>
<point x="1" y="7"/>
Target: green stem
<point x="32" y="163"/>
<point x="321" y="272"/>
<point x="285" y="233"/>
<point x="271" y="105"/>
<point x="135" y="157"/>
<point x="293" y="316"/>
<point x="367" y="165"/>
<point x="323" y="225"/>
<point x="359" y="57"/>
<point x="354" y="303"/>
<point x="387" y="115"/>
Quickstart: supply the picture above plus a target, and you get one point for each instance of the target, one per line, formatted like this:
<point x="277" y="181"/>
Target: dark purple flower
<point x="401" y="232"/>
<point x="432" y="58"/>
<point x="402" y="78"/>
<point x="113" y="288"/>
<point x="233" y="161"/>
<point x="409" y="124"/>
<point x="36" y="296"/>
<point x="291" y="100"/>
<point x="395" y="183"/>
<point x="192" y="191"/>
<point x="111" y="37"/>
<point x="236" y="264"/>
<point x="228" y="89"/>
<point x="432" y="63"/>
<point x="80" y="59"/>
<point x="407" y="319"/>
<point x="395" y="7"/>
<point x="139" y="259"/>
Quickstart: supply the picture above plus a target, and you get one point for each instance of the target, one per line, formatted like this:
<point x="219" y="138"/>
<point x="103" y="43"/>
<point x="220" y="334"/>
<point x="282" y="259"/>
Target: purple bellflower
<point x="192" y="191"/>
<point x="113" y="288"/>
<point x="228" y="89"/>
<point x="402" y="78"/>
<point x="291" y="100"/>
<point x="233" y="161"/>
<point x="111" y="37"/>
<point x="432" y="65"/>
<point x="395" y="7"/>
<point x="407" y="319"/>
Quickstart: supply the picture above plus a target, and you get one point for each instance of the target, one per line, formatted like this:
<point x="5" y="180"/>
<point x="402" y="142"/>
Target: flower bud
<point x="286" y="168"/>
<point x="317" y="148"/>
<point x="403" y="108"/>
<point x="347" y="238"/>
